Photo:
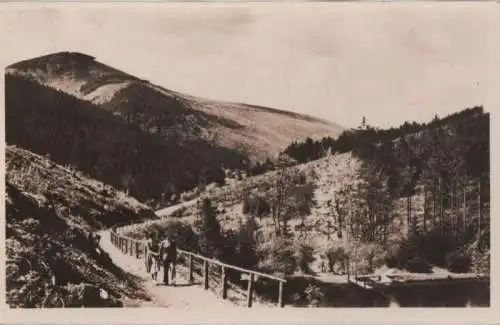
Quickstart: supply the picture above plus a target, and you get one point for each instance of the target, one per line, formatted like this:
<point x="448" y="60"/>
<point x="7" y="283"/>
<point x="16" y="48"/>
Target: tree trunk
<point x="441" y="223"/>
<point x="464" y="216"/>
<point x="479" y="216"/>
<point x="452" y="207"/>
<point x="275" y="221"/>
<point x="408" y="214"/>
<point x="434" y="204"/>
<point x="425" y="209"/>
<point x="373" y="221"/>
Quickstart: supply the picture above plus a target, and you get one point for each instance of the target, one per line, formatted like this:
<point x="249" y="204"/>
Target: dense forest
<point x="367" y="135"/>
<point x="443" y="148"/>
<point x="106" y="147"/>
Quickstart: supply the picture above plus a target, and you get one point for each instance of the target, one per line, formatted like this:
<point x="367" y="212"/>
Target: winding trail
<point x="183" y="294"/>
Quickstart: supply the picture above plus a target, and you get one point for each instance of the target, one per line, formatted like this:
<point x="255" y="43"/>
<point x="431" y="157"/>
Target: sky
<point x="337" y="61"/>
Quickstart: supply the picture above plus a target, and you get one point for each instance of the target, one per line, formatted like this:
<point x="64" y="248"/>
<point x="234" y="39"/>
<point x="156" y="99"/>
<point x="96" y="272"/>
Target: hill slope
<point x="153" y="142"/>
<point x="259" y="131"/>
<point x="417" y="197"/>
<point x="50" y="212"/>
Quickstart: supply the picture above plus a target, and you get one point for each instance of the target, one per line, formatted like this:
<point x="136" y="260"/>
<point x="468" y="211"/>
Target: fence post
<point x="132" y="248"/>
<point x="224" y="283"/>
<point x="126" y="245"/>
<point x="280" y="295"/>
<point x="250" y="290"/>
<point x="190" y="268"/>
<point x="205" y="274"/>
<point x="137" y="250"/>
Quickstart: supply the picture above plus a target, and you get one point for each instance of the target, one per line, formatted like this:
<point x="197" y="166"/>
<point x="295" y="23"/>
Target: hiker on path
<point x="168" y="249"/>
<point x="153" y="256"/>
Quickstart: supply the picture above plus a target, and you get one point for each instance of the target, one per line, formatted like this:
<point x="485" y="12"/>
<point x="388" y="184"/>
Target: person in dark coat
<point x="168" y="250"/>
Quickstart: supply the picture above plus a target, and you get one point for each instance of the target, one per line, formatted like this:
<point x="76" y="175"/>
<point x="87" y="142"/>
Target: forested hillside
<point x="78" y="133"/>
<point x="364" y="139"/>
<point x="151" y="141"/>
<point x="412" y="201"/>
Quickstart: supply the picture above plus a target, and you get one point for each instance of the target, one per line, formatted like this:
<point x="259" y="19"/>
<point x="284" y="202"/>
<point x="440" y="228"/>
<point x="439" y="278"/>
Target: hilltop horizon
<point x="431" y="64"/>
<point x="186" y="94"/>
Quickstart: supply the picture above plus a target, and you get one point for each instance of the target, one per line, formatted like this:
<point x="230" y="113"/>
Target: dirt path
<point x="181" y="295"/>
<point x="169" y="210"/>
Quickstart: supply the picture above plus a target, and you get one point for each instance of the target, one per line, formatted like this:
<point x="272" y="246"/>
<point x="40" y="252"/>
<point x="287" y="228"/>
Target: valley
<point x="91" y="148"/>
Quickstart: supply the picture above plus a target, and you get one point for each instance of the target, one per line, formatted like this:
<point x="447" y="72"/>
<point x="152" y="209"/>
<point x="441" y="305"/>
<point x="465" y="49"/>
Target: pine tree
<point x="246" y="249"/>
<point x="211" y="240"/>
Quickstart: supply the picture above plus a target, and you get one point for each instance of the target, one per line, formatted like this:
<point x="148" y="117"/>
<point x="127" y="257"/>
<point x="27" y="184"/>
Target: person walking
<point x="147" y="256"/>
<point x="169" y="258"/>
<point x="153" y="251"/>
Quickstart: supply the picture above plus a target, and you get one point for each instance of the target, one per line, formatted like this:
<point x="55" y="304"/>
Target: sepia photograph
<point x="221" y="155"/>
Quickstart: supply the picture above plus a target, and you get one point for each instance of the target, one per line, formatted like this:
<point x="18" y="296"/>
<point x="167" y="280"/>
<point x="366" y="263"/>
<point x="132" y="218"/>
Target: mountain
<point x="50" y="213"/>
<point x="259" y="131"/>
<point x="138" y="136"/>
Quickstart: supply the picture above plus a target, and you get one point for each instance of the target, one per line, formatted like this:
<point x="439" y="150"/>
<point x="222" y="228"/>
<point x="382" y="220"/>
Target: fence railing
<point x="136" y="248"/>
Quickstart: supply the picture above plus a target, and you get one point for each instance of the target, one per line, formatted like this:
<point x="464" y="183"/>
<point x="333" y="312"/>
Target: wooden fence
<point x="136" y="248"/>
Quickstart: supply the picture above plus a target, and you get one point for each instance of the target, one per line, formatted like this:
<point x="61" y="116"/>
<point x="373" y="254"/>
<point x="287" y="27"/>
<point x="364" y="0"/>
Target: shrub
<point x="246" y="244"/>
<point x="256" y="205"/>
<point x="304" y="256"/>
<point x="458" y="262"/>
<point x="401" y="253"/>
<point x="211" y="241"/>
<point x="277" y="255"/>
<point x="417" y="265"/>
<point x="334" y="254"/>
<point x="186" y="238"/>
<point x="433" y="247"/>
<point x="436" y="246"/>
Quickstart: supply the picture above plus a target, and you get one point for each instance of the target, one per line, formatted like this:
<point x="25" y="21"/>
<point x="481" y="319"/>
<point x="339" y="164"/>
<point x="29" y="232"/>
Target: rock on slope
<point x="50" y="212"/>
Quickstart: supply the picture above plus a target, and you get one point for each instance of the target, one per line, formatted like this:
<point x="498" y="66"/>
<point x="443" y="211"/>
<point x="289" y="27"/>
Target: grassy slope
<point x="50" y="211"/>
